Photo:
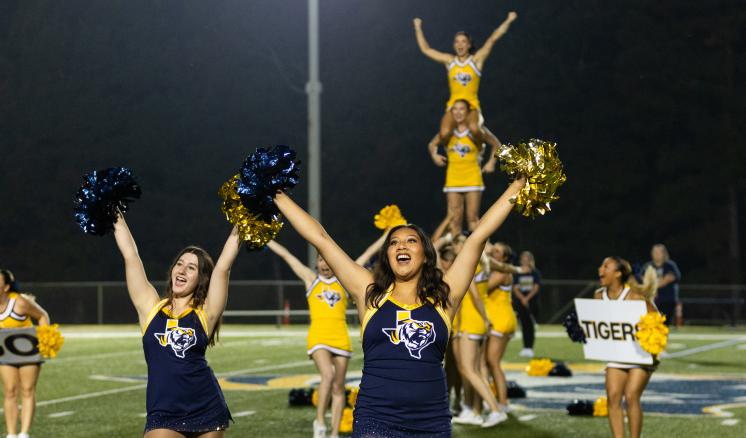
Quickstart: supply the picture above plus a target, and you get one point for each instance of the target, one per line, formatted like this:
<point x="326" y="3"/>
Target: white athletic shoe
<point x="526" y="352"/>
<point x="23" y="435"/>
<point x="319" y="430"/>
<point x="494" y="418"/>
<point x="11" y="436"/>
<point x="463" y="416"/>
<point x="475" y="419"/>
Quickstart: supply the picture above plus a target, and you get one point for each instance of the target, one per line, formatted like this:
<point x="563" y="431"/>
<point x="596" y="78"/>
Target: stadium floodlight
<point x="313" y="90"/>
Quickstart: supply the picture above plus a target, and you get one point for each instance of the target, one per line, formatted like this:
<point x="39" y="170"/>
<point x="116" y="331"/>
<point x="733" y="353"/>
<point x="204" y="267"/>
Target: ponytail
<point x="649" y="286"/>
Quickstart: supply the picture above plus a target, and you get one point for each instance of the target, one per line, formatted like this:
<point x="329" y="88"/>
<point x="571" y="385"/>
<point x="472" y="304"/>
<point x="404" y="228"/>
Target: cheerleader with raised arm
<point x="183" y="395"/>
<point x="464" y="68"/>
<point x="406" y="307"/>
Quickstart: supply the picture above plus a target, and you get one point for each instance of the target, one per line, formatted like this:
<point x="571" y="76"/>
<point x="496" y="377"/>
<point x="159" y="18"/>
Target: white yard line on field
<point x="244" y="413"/>
<point x="95" y="394"/>
<point x="61" y="414"/>
<point x="708" y="347"/>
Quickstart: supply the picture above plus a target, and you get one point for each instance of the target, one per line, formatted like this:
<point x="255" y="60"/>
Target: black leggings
<point x="526" y="316"/>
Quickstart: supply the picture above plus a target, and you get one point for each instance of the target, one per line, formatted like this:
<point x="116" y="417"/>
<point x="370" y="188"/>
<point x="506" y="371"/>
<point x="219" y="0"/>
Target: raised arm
<point x="142" y="293"/>
<point x="353" y="277"/>
<point x="425" y="48"/>
<point x="299" y="269"/>
<point x="371" y="250"/>
<point x="484" y="52"/>
<point x="217" y="293"/>
<point x="461" y="272"/>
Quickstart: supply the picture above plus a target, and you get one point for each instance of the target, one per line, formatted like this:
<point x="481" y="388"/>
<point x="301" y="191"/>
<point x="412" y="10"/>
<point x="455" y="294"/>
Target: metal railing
<point x="277" y="301"/>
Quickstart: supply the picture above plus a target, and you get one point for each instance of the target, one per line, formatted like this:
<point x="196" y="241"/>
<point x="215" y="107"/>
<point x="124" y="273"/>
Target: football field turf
<point x="96" y="387"/>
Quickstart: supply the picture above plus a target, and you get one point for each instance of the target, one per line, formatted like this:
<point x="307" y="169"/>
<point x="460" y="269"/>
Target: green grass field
<point x="96" y="387"/>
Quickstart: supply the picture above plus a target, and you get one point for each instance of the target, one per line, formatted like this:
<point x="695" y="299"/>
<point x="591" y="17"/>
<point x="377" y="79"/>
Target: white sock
<point x="11" y="436"/>
<point x="23" y="435"/>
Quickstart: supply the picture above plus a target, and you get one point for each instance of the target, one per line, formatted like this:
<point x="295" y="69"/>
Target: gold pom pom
<point x="539" y="162"/>
<point x="345" y="424"/>
<point x="652" y="333"/>
<point x="50" y="340"/>
<point x="352" y="396"/>
<point x="601" y="407"/>
<point x="539" y="367"/>
<point x="315" y="397"/>
<point x="390" y="216"/>
<point x="254" y="231"/>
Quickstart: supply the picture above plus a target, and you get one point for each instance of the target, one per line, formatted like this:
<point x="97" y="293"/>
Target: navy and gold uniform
<point x="463" y="81"/>
<point x="463" y="173"/>
<point x="403" y="388"/>
<point x="183" y="394"/>
<point x="327" y="304"/>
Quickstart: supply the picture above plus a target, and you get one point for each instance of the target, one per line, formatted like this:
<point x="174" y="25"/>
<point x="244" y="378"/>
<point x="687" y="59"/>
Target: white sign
<point x="18" y="346"/>
<point x="609" y="328"/>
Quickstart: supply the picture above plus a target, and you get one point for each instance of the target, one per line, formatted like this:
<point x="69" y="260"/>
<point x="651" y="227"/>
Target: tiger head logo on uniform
<point x="180" y="339"/>
<point x="416" y="335"/>
<point x="330" y="297"/>
<point x="463" y="78"/>
<point x="461" y="149"/>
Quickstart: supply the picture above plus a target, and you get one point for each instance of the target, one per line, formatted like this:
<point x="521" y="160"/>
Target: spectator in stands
<point x="668" y="281"/>
<point x="526" y="287"/>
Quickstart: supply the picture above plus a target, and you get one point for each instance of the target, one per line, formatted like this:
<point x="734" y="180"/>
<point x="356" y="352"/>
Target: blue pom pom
<point x="263" y="174"/>
<point x="103" y="194"/>
<point x="572" y="326"/>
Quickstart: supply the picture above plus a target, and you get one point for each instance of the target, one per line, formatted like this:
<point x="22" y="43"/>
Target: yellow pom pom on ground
<point x="345" y="424"/>
<point x="539" y="367"/>
<point x="601" y="407"/>
<point x="352" y="397"/>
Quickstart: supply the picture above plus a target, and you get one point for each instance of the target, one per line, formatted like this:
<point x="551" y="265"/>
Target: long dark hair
<point x="430" y="285"/>
<point x="9" y="279"/>
<point x="624" y="268"/>
<point x="205" y="267"/>
<point x="649" y="285"/>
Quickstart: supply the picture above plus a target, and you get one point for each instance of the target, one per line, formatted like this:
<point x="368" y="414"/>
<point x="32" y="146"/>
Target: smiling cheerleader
<point x="626" y="381"/>
<point x="406" y="307"/>
<point x="183" y="396"/>
<point x="464" y="72"/>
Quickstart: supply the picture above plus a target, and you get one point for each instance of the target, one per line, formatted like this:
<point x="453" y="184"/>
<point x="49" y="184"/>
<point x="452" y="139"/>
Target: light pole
<point x="313" y="89"/>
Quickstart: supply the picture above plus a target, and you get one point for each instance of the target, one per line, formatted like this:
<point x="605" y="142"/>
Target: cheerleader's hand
<point x="489" y="166"/>
<point x="439" y="160"/>
<point x="512" y="16"/>
<point x="417" y="22"/>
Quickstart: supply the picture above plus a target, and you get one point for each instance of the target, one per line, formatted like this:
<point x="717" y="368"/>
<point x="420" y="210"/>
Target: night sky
<point x="646" y="100"/>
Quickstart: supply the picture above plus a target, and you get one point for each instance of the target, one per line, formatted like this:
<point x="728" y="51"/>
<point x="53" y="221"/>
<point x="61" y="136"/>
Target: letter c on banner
<point x="10" y="344"/>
